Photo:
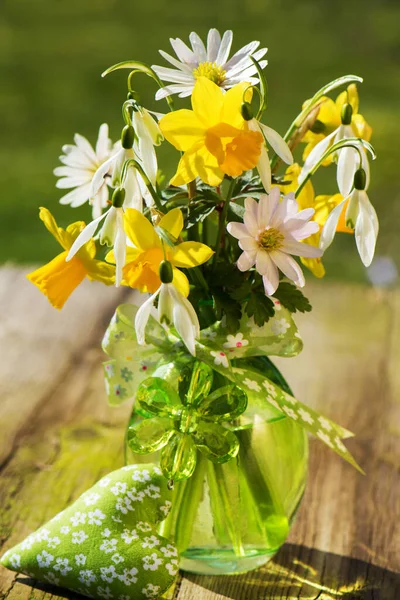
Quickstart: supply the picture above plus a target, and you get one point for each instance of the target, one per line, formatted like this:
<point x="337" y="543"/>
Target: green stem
<point x="345" y="143"/>
<point x="222" y="221"/>
<point x="311" y="103"/>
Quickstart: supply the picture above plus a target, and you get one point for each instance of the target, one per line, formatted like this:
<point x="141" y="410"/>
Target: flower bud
<point x="118" y="197"/>
<point x="127" y="137"/>
<point x="318" y="126"/>
<point x="347" y="113"/>
<point x="165" y="271"/>
<point x="360" y="179"/>
<point x="247" y="111"/>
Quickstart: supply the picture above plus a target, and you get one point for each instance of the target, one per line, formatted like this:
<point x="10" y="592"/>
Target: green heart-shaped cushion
<point x="105" y="544"/>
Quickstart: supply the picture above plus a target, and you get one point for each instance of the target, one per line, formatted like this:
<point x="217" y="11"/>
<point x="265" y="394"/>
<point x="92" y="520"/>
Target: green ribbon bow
<point x="131" y="364"/>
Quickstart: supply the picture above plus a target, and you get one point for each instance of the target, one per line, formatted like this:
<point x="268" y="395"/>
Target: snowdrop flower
<point x="80" y="163"/>
<point x="348" y="159"/>
<point x="173" y="309"/>
<point x="112" y="233"/>
<point x="273" y="138"/>
<point x="211" y="62"/>
<point x="360" y="215"/>
<point x="272" y="231"/>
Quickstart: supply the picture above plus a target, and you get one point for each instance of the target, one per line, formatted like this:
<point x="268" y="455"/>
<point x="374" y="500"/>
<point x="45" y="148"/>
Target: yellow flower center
<point x="212" y="71"/>
<point x="270" y="239"/>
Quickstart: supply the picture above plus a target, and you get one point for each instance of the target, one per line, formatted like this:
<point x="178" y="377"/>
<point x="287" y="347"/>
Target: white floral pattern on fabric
<point x="98" y="555"/>
<point x="251" y="384"/>
<point x="220" y="358"/>
<point x="236" y="342"/>
<point x="279" y="326"/>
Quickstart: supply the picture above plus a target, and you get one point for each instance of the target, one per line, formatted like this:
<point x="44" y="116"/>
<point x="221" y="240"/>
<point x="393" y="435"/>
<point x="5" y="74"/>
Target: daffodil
<point x="58" y="279"/>
<point x="80" y="163"/>
<point x="147" y="250"/>
<point x="212" y="62"/>
<point x="214" y="136"/>
<point x="272" y="231"/>
<point x="348" y="158"/>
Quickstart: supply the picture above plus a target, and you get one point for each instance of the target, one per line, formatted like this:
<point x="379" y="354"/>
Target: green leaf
<point x="292" y="298"/>
<point x="226" y="275"/>
<point x="226" y="306"/>
<point x="242" y="292"/>
<point x="260" y="307"/>
<point x="198" y="211"/>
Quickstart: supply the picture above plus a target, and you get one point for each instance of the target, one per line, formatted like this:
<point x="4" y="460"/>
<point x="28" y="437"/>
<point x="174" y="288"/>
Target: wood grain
<point x="58" y="436"/>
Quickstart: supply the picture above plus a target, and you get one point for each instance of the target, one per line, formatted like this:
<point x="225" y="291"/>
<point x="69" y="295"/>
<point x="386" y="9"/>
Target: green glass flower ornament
<point x="180" y="428"/>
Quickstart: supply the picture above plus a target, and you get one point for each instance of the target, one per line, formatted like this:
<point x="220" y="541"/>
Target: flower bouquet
<point x="217" y="252"/>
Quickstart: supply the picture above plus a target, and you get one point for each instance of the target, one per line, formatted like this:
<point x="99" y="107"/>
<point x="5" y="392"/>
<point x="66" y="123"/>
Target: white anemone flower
<point x="80" y="163"/>
<point x="360" y="215"/>
<point x="211" y="61"/>
<point x="348" y="159"/>
<point x="279" y="146"/>
<point x="173" y="308"/>
<point x="272" y="231"/>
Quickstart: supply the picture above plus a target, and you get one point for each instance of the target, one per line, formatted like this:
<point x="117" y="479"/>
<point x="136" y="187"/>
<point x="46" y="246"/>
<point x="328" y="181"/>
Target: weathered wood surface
<point x="58" y="436"/>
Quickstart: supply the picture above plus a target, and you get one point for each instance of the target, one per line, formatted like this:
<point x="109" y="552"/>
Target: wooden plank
<point x="65" y="437"/>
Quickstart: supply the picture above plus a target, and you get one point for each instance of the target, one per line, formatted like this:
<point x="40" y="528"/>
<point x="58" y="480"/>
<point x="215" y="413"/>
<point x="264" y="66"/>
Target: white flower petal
<point x="78" y="196"/>
<point x="366" y="231"/>
<point x="267" y="206"/>
<point x="271" y="277"/>
<point x="99" y="202"/>
<point x="179" y="65"/>
<point x="184" y="53"/>
<point x="246" y="65"/>
<point x="198" y="47"/>
<point x="174" y="89"/>
<point x="315" y="155"/>
<point x="142" y="316"/>
<point x="237" y="230"/>
<point x="85" y="147"/>
<point x="277" y="143"/>
<point x="103" y="145"/>
<point x="213" y="44"/>
<point x="246" y="261"/>
<point x="173" y="75"/>
<point x="296" y="248"/>
<point x="119" y="249"/>
<point x="348" y="163"/>
<point x="264" y="168"/>
<point x="69" y="182"/>
<point x="248" y="244"/>
<point x="250" y="216"/>
<point x="84" y="236"/>
<point x="225" y="48"/>
<point x="240" y="55"/>
<point x="303" y="231"/>
<point x="133" y="194"/>
<point x="98" y="177"/>
<point x="289" y="267"/>
<point x="329" y="229"/>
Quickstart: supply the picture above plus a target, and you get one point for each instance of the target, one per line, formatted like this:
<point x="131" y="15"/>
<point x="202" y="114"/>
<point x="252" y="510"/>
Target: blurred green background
<point x="53" y="51"/>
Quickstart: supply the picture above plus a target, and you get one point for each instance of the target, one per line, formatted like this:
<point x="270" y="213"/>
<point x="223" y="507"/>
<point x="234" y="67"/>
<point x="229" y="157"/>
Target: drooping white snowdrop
<point x="360" y="215"/>
<point x="348" y="159"/>
<point x="211" y="61"/>
<point x="272" y="232"/>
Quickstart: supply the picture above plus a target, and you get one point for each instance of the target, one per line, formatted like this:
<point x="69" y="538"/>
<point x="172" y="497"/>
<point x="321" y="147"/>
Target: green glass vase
<point x="231" y="516"/>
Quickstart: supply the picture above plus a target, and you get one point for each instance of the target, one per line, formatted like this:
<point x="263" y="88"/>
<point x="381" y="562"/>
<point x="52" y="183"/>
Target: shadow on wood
<point x="298" y="572"/>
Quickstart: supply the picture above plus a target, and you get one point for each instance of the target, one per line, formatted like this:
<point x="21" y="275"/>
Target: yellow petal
<point x="306" y="198"/>
<point x="315" y="265"/>
<point x="198" y="162"/>
<point x="182" y="129"/>
<point x="131" y="254"/>
<point x="181" y="282"/>
<point x="63" y="238"/>
<point x="233" y="100"/>
<point x="242" y="153"/>
<point x="172" y="222"/>
<point x="329" y="115"/>
<point x="191" y="254"/>
<point x="324" y="204"/>
<point x="349" y="96"/>
<point x="361" y="128"/>
<point x="58" y="279"/>
<point x="139" y="230"/>
<point x="207" y="101"/>
<point x="101" y="271"/>
<point x="142" y="276"/>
